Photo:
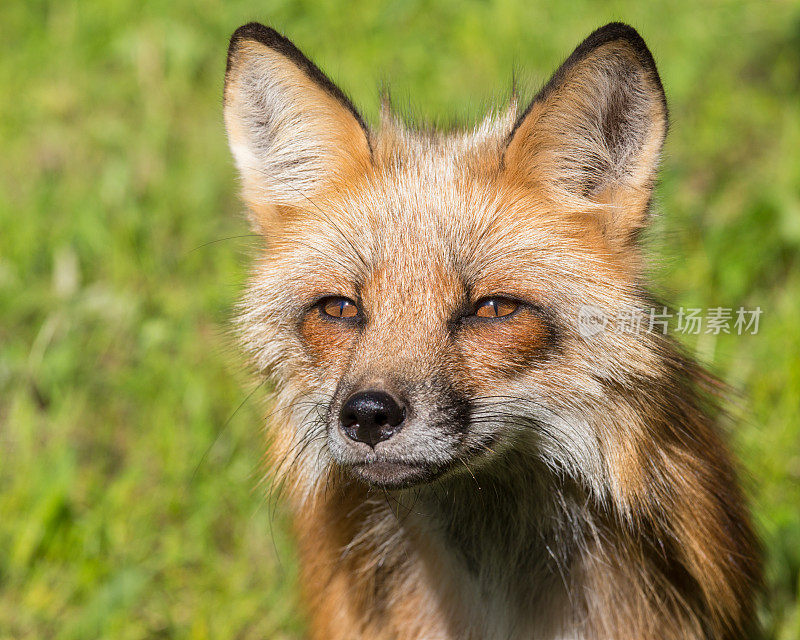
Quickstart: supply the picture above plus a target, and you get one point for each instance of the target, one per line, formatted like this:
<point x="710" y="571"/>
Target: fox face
<point x="420" y="307"/>
<point x="419" y="298"/>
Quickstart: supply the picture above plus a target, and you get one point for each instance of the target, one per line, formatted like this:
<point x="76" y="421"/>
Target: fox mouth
<point x="389" y="474"/>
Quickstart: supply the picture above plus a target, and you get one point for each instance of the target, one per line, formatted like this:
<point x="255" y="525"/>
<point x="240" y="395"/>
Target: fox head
<point x="421" y="307"/>
<point x="418" y="298"/>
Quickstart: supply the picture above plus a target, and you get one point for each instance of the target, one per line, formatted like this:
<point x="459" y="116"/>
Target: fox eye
<point x="337" y="307"/>
<point x="495" y="307"/>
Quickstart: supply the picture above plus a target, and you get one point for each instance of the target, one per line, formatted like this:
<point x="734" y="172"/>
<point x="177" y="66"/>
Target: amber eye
<point x="339" y="307"/>
<point x="495" y="307"/>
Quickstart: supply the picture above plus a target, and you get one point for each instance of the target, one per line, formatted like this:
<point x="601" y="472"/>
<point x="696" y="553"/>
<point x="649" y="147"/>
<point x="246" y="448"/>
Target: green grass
<point x="129" y="496"/>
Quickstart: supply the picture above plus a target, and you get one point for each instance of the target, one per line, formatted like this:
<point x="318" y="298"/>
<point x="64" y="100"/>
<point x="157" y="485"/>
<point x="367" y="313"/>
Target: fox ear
<point x="292" y="132"/>
<point x="595" y="131"/>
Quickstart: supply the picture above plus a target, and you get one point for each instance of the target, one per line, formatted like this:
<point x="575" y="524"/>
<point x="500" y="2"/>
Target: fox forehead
<point x="413" y="239"/>
<point x="432" y="206"/>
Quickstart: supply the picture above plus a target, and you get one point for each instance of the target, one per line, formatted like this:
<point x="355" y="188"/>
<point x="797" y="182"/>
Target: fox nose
<point x="371" y="417"/>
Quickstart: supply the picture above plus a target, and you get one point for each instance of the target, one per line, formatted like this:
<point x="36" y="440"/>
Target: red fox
<point x="461" y="459"/>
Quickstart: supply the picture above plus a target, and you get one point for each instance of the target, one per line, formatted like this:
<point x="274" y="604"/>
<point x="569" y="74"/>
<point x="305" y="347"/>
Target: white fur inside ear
<point x="600" y="128"/>
<point x="289" y="135"/>
<point x="282" y="151"/>
<point x="246" y="161"/>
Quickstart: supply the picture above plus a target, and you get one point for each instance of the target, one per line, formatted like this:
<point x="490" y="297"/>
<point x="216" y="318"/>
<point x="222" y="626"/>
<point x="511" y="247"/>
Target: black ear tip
<point x="612" y="32"/>
<point x="250" y="31"/>
<point x="257" y="32"/>
<point x="615" y="31"/>
<point x="267" y="36"/>
<point x="254" y="31"/>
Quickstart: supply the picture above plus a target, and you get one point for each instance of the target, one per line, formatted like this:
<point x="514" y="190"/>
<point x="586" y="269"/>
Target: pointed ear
<point x="292" y="132"/>
<point x="593" y="134"/>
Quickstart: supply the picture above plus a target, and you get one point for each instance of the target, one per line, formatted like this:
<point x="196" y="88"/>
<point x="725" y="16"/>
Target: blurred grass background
<point x="129" y="497"/>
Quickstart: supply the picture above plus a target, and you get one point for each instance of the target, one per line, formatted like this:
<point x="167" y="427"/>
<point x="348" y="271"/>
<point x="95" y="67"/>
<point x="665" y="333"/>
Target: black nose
<point x="371" y="417"/>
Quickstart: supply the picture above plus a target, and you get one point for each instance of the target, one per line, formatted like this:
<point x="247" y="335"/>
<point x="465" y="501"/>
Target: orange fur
<point x="542" y="483"/>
